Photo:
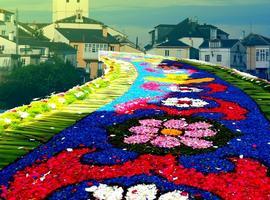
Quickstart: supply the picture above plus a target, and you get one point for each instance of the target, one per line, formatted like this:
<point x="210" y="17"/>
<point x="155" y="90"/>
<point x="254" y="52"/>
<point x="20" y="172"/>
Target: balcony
<point x="90" y="55"/>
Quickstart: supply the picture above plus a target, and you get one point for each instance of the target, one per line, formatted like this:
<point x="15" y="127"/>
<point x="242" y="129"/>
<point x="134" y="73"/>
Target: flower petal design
<point x="142" y="130"/>
<point x="184" y="102"/>
<point x="151" y="122"/>
<point x="138" y="139"/>
<point x="142" y="192"/>
<point x="177" y="88"/>
<point x="176" y="124"/>
<point x="166" y="142"/>
<point x="105" y="192"/>
<point x="196" y="143"/>
<point x="200" y="133"/>
<point x="199" y="125"/>
<point x="175" y="195"/>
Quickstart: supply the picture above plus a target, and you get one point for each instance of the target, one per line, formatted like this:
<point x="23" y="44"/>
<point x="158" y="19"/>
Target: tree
<point x="33" y="81"/>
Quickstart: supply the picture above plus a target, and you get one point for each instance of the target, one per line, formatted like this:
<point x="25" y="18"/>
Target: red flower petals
<point x="249" y="180"/>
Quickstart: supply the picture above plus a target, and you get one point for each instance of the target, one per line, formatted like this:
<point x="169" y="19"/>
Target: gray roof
<point x="85" y="20"/>
<point x="172" y="43"/>
<point x="5" y="11"/>
<point x="39" y="43"/>
<point x="227" y="44"/>
<point x="189" y="28"/>
<point x="256" y="40"/>
<point x="86" y="36"/>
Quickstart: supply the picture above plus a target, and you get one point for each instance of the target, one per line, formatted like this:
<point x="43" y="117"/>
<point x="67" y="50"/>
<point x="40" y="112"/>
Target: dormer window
<point x="213" y="33"/>
<point x="214" y="44"/>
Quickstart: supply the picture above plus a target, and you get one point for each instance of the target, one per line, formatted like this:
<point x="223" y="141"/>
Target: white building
<point x="66" y="8"/>
<point x="258" y="55"/>
<point x="175" y="48"/>
<point x="7" y="22"/>
<point x="230" y="52"/>
<point x="189" y="32"/>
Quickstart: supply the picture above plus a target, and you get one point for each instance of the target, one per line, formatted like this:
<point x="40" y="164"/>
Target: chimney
<point x="11" y="36"/>
<point x="79" y="16"/>
<point x="105" y="31"/>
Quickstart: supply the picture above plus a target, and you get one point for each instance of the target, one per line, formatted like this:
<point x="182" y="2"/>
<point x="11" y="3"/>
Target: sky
<point x="138" y="17"/>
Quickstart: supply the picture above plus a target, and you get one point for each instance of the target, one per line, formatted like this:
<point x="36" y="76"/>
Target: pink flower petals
<point x="199" y="125"/>
<point x="150" y="131"/>
<point x="200" y="133"/>
<point x="166" y="142"/>
<point x="138" y="139"/>
<point x="143" y="130"/>
<point x="176" y="124"/>
<point x="196" y="143"/>
<point x="151" y="122"/>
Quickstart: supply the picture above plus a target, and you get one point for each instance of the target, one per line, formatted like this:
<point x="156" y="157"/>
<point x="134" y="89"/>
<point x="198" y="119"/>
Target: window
<point x="3" y="32"/>
<point x="167" y="52"/>
<point x="219" y="58"/>
<point x="67" y="1"/>
<point x="76" y="46"/>
<point x="94" y="48"/>
<point x="78" y="1"/>
<point x="262" y="55"/>
<point x="2" y="47"/>
<point x="257" y="55"/>
<point x="112" y="48"/>
<point x="207" y="58"/>
<point x="234" y="58"/>
<point x="23" y="61"/>
<point x="241" y="59"/>
<point x="215" y="44"/>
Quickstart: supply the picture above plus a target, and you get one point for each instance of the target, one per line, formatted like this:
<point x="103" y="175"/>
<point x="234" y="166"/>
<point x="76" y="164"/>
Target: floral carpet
<point x="179" y="133"/>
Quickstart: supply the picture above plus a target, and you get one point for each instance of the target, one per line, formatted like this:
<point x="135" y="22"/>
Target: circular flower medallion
<point x="170" y="135"/>
<point x="136" y="192"/>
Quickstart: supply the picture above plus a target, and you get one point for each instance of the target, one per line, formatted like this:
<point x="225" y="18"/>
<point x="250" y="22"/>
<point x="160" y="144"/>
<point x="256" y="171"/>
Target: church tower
<point x="66" y="8"/>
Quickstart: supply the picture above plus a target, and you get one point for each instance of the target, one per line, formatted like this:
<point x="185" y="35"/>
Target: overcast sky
<point x="137" y="17"/>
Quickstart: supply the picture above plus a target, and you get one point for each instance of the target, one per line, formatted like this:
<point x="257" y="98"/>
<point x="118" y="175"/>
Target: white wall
<point x="5" y="62"/>
<point x="174" y="52"/>
<point x="193" y="42"/>
<point x="225" y="53"/>
<point x="9" y="47"/>
<point x="237" y="54"/>
<point x="263" y="64"/>
<point x="58" y="37"/>
<point x="63" y="9"/>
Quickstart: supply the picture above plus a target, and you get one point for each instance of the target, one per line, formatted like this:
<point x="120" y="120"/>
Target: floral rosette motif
<point x="183" y="89"/>
<point x="137" y="192"/>
<point x="184" y="102"/>
<point x="184" y="136"/>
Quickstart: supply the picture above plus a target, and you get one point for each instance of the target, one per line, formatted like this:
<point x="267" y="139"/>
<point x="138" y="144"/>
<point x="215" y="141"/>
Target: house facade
<point x="189" y="32"/>
<point x="258" y="55"/>
<point x="88" y="43"/>
<point x="33" y="51"/>
<point x="176" y="49"/>
<point x="7" y="23"/>
<point x="229" y="52"/>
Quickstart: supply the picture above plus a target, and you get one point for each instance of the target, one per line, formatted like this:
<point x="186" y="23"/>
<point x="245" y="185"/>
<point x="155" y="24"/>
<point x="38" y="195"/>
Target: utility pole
<point x="17" y="37"/>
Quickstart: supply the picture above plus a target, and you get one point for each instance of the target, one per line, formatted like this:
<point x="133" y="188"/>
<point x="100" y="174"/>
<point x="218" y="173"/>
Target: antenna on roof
<point x="244" y="34"/>
<point x="251" y="27"/>
<point x="137" y="42"/>
<point x="17" y="34"/>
